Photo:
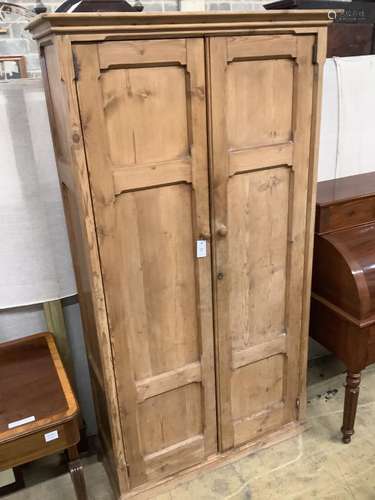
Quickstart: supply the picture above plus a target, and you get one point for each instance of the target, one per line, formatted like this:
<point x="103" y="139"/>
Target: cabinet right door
<point x="261" y="105"/>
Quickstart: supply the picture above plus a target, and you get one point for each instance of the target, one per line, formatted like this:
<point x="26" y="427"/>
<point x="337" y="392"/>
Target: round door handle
<point x="221" y="230"/>
<point x="220" y="276"/>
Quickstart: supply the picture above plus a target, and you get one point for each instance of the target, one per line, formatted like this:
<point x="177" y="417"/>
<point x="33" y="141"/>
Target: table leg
<point x="76" y="473"/>
<point x="353" y="381"/>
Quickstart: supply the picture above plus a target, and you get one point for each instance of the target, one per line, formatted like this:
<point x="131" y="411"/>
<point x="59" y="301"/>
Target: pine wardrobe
<point x="186" y="147"/>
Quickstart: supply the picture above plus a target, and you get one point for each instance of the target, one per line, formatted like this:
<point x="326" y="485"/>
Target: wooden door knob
<point x="204" y="235"/>
<point x="221" y="230"/>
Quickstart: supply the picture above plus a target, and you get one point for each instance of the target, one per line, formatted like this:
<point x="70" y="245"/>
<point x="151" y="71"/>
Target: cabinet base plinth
<point x="150" y="490"/>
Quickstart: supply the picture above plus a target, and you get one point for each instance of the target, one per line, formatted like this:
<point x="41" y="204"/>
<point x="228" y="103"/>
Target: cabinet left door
<point x="143" y="114"/>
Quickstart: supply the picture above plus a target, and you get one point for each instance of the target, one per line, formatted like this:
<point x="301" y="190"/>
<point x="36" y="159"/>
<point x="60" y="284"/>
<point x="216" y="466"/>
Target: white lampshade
<point x="35" y="261"/>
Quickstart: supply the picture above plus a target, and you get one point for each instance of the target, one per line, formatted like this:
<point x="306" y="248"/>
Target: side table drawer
<point x="36" y="445"/>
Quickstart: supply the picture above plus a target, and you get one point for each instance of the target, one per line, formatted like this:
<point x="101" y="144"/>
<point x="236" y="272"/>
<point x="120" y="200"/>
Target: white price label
<point x="51" y="436"/>
<point x="201" y="248"/>
<point x="23" y="421"/>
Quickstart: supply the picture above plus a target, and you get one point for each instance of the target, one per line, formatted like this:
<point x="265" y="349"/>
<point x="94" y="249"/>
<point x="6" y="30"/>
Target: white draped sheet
<point x="347" y="138"/>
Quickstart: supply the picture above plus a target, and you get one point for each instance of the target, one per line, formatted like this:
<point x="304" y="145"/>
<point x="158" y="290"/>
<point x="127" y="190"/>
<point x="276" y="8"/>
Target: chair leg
<point x="76" y="473"/>
<point x="353" y="381"/>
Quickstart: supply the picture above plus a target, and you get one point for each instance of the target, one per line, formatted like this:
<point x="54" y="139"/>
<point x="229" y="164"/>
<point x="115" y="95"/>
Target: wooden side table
<point x="38" y="410"/>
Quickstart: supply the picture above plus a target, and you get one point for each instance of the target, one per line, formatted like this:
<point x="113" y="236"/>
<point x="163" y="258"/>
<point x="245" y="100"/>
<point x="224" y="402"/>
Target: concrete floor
<point x="314" y="465"/>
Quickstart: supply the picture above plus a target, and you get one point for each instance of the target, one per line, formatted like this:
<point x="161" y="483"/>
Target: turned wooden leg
<point x="353" y="381"/>
<point x="76" y="473"/>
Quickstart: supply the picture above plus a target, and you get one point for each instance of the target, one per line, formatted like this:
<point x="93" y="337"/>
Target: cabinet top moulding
<point x="199" y="23"/>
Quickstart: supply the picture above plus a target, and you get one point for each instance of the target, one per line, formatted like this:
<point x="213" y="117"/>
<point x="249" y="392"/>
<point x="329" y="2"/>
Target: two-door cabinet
<point x="186" y="147"/>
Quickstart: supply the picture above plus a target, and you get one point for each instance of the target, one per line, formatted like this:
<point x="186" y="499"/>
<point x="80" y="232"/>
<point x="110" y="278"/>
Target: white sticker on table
<point x="51" y="436"/>
<point x="201" y="248"/>
<point x="23" y="421"/>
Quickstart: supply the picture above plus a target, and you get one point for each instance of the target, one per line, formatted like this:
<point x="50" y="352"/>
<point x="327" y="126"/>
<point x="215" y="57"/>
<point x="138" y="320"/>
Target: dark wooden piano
<point x="343" y="286"/>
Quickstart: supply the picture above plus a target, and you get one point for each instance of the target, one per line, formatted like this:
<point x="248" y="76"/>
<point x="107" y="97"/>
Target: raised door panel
<point x="261" y="102"/>
<point x="143" y="113"/>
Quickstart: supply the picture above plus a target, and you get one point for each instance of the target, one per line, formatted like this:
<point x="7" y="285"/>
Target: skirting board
<point x="155" y="488"/>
